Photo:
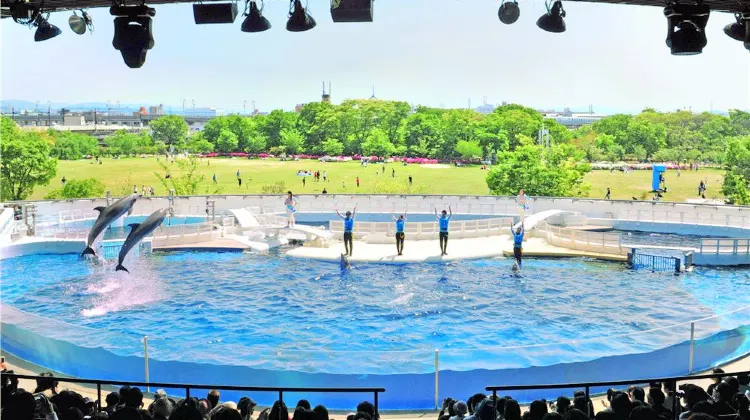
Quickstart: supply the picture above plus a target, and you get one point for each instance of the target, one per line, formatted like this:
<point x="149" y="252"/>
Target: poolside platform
<point x="429" y="251"/>
<point x="216" y="245"/>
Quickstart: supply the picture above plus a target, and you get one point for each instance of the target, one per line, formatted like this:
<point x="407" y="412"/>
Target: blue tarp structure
<point x="658" y="170"/>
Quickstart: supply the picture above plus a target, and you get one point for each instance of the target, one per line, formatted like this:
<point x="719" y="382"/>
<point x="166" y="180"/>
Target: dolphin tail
<point x="121" y="267"/>
<point x="88" y="251"/>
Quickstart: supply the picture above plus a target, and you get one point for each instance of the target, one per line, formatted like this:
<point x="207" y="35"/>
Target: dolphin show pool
<point x="265" y="318"/>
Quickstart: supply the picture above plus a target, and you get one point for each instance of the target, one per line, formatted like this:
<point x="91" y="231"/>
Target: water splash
<point x="117" y="291"/>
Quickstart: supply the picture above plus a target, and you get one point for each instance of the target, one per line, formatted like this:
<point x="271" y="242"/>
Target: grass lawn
<point x="120" y="176"/>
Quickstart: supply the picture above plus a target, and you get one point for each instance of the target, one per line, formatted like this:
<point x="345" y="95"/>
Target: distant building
<point x="74" y="120"/>
<point x="298" y="108"/>
<point x="156" y="110"/>
<point x="485" y="109"/>
<point x="573" y="119"/>
<point x="202" y="112"/>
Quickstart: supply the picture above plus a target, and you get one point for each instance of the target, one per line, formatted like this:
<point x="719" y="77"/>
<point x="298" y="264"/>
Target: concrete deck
<point x="429" y="251"/>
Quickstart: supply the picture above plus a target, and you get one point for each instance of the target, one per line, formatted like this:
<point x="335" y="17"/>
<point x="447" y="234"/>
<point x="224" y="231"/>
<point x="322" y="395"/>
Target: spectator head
<point x="655" y="396"/>
<point x="162" y="407"/>
<point x="643" y="412"/>
<point x="694" y="395"/>
<point x="278" y="411"/>
<point x="72" y="413"/>
<point x="112" y="399"/>
<point x="610" y="394"/>
<point x="621" y="405"/>
<point x="734" y="384"/>
<point x="448" y="406"/>
<point x="705" y="407"/>
<point x="321" y="413"/>
<point x="186" y="412"/>
<point x="654" y="385"/>
<point x="304" y="404"/>
<point x="213" y="397"/>
<point x="553" y="415"/>
<point x="302" y="413"/>
<point x="580" y="403"/>
<point x="204" y="406"/>
<point x="606" y="415"/>
<point x="637" y="393"/>
<point x="486" y="411"/>
<point x="562" y="404"/>
<point x="361" y="415"/>
<point x="350" y="416"/>
<point x="367" y="407"/>
<point x="46" y="382"/>
<point x="718" y="378"/>
<point x="669" y="386"/>
<point x="512" y="410"/>
<point x="246" y="406"/>
<point x="124" y="390"/>
<point x="134" y="398"/>
<point x="575" y="414"/>
<point x="579" y="394"/>
<point x="20" y="406"/>
<point x="537" y="409"/>
<point x="460" y="408"/>
<point x="743" y="379"/>
<point x="723" y="393"/>
<point x="500" y="406"/>
<point x="126" y="413"/>
<point x="474" y="401"/>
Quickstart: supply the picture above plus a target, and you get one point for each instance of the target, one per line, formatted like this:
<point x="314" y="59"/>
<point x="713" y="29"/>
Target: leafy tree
<point x="8" y="128"/>
<point x="292" y="140"/>
<point x="737" y="167"/>
<point x="554" y="171"/>
<point x="25" y="162"/>
<point x="71" y="146"/>
<point x="469" y="149"/>
<point x="124" y="143"/>
<point x="271" y="125"/>
<point x="377" y="144"/>
<point x="227" y="141"/>
<point x="518" y="120"/>
<point x="186" y="180"/>
<point x="333" y="147"/>
<point x="422" y="133"/>
<point x="198" y="144"/>
<point x="74" y="188"/>
<point x="170" y="129"/>
<point x="649" y="136"/>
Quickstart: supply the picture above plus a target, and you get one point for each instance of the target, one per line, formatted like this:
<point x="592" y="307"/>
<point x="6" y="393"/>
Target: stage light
<point x="24" y="13"/>
<point x="686" y="25"/>
<point x="79" y="24"/>
<point x="210" y="13"/>
<point x="254" y="22"/>
<point x="352" y="10"/>
<point x="740" y="30"/>
<point x="133" y="35"/>
<point x="45" y="30"/>
<point x="553" y="20"/>
<point x="508" y="12"/>
<point x="299" y="19"/>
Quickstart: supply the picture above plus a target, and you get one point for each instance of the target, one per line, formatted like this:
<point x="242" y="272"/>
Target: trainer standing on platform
<point x="444" y="219"/>
<point x="522" y="205"/>
<point x="400" y="222"/>
<point x="348" y="230"/>
<point x="291" y="208"/>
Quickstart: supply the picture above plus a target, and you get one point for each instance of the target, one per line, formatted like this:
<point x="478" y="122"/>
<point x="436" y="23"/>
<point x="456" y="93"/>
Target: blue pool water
<point x="275" y="312"/>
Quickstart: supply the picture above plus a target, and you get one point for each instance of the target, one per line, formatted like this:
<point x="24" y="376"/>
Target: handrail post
<point x="281" y="397"/>
<point x="145" y="360"/>
<point x="99" y="393"/>
<point x="187" y="392"/>
<point x="588" y="404"/>
<point x="692" y="347"/>
<point x="437" y="398"/>
<point x="375" y="402"/>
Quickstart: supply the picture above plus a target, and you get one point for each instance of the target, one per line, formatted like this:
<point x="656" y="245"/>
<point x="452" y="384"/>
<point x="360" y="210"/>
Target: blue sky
<point x="430" y="52"/>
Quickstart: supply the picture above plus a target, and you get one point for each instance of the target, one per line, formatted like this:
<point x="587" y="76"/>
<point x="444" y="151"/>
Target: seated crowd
<point x="46" y="403"/>
<point x="725" y="399"/>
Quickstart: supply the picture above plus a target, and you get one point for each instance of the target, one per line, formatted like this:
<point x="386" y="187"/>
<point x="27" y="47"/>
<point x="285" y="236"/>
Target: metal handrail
<point x="188" y="387"/>
<point x="588" y="385"/>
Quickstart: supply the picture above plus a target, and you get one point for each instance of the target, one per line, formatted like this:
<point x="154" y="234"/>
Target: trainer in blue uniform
<point x="400" y="222"/>
<point x="517" y="242"/>
<point x="443" y="219"/>
<point x="348" y="229"/>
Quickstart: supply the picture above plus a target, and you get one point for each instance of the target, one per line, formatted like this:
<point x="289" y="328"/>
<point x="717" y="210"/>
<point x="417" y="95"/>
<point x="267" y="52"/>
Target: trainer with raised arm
<point x="348" y="230"/>
<point x="517" y="242"/>
<point x="400" y="222"/>
<point x="443" y="220"/>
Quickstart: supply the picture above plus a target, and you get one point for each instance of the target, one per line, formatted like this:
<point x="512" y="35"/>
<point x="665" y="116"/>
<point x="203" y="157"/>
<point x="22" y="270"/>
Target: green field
<point x="120" y="175"/>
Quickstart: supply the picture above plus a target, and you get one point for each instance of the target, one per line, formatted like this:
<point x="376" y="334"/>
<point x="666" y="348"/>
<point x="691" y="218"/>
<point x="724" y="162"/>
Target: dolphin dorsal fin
<point x="99" y="208"/>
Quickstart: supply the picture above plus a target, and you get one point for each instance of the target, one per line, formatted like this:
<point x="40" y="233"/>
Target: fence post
<point x="437" y="398"/>
<point x="692" y="348"/>
<point x="108" y="196"/>
<point x="145" y="360"/>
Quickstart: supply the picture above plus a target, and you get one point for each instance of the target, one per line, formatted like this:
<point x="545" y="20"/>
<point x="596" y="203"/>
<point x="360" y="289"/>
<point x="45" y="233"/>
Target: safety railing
<point x="606" y="243"/>
<point x="693" y="218"/>
<point x="588" y="386"/>
<point x="184" y="234"/>
<point x="67" y="216"/>
<point x="426" y="230"/>
<point x="187" y="387"/>
<point x="7" y="219"/>
<point x="640" y="261"/>
<point x="735" y="246"/>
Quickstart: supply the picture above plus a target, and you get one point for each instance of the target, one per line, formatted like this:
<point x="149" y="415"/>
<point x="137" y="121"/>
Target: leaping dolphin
<point x="138" y="231"/>
<point x="107" y="215"/>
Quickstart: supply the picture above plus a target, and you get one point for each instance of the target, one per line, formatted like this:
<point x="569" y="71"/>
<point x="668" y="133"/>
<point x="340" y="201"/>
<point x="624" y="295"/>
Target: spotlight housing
<point x="740" y="30"/>
<point x="133" y="35"/>
<point x="299" y="19"/>
<point x="686" y="28"/>
<point x="508" y="12"/>
<point x="24" y="13"/>
<point x="214" y="13"/>
<point x="254" y="22"/>
<point x="44" y="29"/>
<point x="352" y="10"/>
<point x="79" y="24"/>
<point x="553" y="20"/>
